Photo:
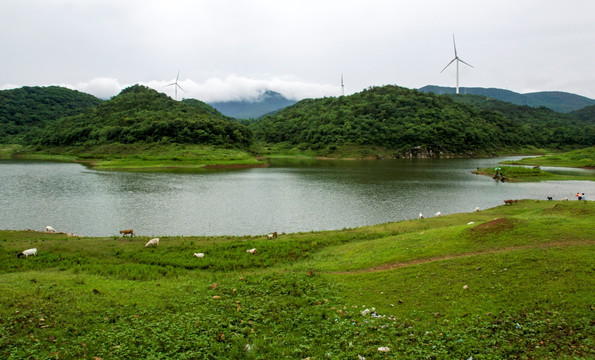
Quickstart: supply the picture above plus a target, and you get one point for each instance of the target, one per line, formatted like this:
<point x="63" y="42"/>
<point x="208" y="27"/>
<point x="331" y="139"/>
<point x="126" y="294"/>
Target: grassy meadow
<point x="511" y="282"/>
<point x="529" y="174"/>
<point x="139" y="157"/>
<point x="577" y="158"/>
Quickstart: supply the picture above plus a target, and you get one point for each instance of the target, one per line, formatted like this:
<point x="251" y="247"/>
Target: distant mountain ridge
<point x="556" y="100"/>
<point x="267" y="102"/>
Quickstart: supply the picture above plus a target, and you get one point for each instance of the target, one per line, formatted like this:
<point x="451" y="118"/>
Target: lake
<point x="288" y="196"/>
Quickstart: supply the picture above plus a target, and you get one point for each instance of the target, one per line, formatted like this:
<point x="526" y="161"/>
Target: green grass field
<point x="577" y="158"/>
<point x="510" y="282"/>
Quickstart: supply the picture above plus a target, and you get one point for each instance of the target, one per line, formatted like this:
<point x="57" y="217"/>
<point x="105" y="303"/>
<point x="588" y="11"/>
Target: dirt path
<point x="384" y="267"/>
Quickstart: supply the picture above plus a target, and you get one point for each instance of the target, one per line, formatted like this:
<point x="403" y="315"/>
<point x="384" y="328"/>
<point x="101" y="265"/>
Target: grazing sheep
<point x="127" y="232"/>
<point x="273" y="235"/>
<point x="565" y="198"/>
<point x="477" y="209"/>
<point x="421" y="216"/>
<point x="251" y="251"/>
<point x="438" y="213"/>
<point x="549" y="198"/>
<point x="28" y="252"/>
<point x="152" y="242"/>
<point x="50" y="229"/>
<point x="199" y="255"/>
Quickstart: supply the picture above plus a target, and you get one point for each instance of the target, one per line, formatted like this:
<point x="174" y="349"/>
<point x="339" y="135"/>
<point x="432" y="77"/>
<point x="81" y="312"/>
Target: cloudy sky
<point x="234" y="49"/>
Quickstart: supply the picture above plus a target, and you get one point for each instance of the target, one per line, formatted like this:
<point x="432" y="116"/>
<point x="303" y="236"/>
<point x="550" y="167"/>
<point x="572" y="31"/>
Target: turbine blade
<point x="465" y="63"/>
<point x="448" y="64"/>
<point x="180" y="88"/>
<point x="454" y="44"/>
<point x="177" y="77"/>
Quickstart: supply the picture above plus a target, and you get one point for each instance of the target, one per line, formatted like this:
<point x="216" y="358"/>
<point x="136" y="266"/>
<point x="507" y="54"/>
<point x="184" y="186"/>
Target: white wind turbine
<point x="457" y="59"/>
<point x="176" y="86"/>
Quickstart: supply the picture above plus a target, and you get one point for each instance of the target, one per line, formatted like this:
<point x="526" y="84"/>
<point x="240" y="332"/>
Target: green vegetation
<point x="380" y="122"/>
<point x="577" y="158"/>
<point x="25" y="110"/>
<point x="402" y="122"/>
<point x="515" y="283"/>
<point x="528" y="174"/>
<point x="139" y="114"/>
<point x="556" y="100"/>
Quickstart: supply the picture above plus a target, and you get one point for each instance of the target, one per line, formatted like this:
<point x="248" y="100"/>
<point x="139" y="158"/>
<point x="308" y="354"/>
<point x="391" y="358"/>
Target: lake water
<point x="285" y="197"/>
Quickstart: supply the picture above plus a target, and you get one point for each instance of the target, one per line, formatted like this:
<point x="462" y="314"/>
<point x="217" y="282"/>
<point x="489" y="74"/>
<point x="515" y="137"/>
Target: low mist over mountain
<point x="267" y="102"/>
<point x="555" y="100"/>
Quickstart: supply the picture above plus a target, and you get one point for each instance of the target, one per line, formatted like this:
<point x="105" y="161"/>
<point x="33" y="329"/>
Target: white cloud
<point x="228" y="88"/>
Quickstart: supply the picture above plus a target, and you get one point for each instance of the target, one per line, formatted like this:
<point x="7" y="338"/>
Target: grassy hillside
<point x="509" y="282"/>
<point x="577" y="158"/>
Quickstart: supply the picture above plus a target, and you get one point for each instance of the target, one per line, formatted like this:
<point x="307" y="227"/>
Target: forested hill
<point x="555" y="100"/>
<point x="267" y="102"/>
<point x="406" y="121"/>
<point x="140" y="114"/>
<point x="585" y="114"/>
<point x="28" y="108"/>
<point x="577" y="127"/>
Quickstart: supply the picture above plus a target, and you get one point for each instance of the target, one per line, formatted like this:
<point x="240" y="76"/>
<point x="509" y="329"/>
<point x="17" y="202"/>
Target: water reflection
<point x="286" y="197"/>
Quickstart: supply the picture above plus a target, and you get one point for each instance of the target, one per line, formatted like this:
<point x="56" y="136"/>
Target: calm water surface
<point x="285" y="197"/>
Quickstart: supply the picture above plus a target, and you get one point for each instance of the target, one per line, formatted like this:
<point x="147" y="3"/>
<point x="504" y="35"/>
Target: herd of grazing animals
<point x="151" y="243"/>
<point x="155" y="241"/>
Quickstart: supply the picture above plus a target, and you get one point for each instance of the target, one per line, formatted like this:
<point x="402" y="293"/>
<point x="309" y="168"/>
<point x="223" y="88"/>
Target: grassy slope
<point x="529" y="276"/>
<point x="138" y="157"/>
<point x="578" y="158"/>
<point x="524" y="174"/>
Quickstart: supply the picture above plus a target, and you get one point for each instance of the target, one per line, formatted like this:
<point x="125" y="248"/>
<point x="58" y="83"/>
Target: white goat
<point x="199" y="255"/>
<point x="251" y="251"/>
<point x="50" y="229"/>
<point x="152" y="242"/>
<point x="27" y="252"/>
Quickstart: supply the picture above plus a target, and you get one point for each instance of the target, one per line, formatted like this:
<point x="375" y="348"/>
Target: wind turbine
<point x="176" y="86"/>
<point x="457" y="59"/>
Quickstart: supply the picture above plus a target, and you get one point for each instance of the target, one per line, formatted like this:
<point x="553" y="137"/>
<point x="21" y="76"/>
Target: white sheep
<point x="28" y="252"/>
<point x="438" y="213"/>
<point x="477" y="209"/>
<point x="152" y="242"/>
<point x="421" y="216"/>
<point x="251" y="251"/>
<point x="50" y="229"/>
<point x="199" y="255"/>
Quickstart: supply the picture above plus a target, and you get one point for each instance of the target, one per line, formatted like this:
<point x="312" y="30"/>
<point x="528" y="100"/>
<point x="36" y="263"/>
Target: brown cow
<point x="506" y="202"/>
<point x="127" y="232"/>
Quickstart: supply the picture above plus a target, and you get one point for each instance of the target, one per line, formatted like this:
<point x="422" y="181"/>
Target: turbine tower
<point x="176" y="86"/>
<point x="457" y="59"/>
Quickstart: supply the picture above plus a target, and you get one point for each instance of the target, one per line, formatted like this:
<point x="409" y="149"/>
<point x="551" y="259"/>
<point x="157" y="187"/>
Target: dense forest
<point x="29" y="108"/>
<point x="140" y="114"/>
<point x="409" y="121"/>
<point x="540" y="126"/>
<point x="397" y="120"/>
